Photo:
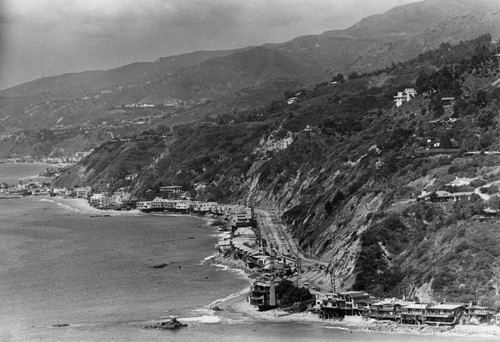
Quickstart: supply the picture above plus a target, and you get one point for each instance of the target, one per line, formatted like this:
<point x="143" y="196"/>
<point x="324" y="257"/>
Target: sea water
<point x="12" y="173"/>
<point x="60" y="267"/>
<point x="68" y="276"/>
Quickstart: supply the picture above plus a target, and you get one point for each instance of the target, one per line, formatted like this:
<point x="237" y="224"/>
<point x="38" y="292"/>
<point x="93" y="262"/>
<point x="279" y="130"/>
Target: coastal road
<point x="275" y="233"/>
<point x="278" y="239"/>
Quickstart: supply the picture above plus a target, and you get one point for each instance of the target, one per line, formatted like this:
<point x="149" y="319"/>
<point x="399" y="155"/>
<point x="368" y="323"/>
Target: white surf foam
<point x="201" y="319"/>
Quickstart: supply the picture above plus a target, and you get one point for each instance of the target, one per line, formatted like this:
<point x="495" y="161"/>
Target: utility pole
<point x="332" y="280"/>
<point x="298" y="266"/>
<point x="272" y="288"/>
<point x="332" y="275"/>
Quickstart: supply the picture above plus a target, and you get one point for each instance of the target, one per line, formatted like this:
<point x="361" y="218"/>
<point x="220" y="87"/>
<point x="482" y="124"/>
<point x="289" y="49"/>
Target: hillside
<point x="250" y="76"/>
<point x="344" y="167"/>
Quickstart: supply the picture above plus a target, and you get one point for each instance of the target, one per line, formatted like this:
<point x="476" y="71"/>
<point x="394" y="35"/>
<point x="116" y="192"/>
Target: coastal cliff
<point x="344" y="168"/>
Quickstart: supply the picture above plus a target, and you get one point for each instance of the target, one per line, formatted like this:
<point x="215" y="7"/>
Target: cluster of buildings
<point x="236" y="215"/>
<point x="272" y="268"/>
<point x="244" y="243"/>
<point x="34" y="188"/>
<point x="339" y="305"/>
<point x="72" y="159"/>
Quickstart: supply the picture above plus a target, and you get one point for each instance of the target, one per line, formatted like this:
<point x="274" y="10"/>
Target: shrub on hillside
<point x="288" y="294"/>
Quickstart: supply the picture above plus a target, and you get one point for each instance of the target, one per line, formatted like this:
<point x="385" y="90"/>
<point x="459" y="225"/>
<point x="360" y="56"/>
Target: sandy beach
<point x="81" y="206"/>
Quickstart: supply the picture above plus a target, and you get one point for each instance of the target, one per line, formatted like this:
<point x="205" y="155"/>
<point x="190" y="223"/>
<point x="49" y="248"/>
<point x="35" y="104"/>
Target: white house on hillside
<point x="404" y="96"/>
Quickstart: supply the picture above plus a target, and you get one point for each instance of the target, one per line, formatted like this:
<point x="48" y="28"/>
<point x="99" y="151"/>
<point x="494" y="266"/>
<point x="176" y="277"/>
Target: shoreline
<point x="238" y="309"/>
<point x="81" y="206"/>
<point x="235" y="308"/>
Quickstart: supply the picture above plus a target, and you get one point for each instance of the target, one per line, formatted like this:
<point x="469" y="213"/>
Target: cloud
<point x="46" y="37"/>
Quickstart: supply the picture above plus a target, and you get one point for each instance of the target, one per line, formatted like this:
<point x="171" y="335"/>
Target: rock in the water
<point x="173" y="323"/>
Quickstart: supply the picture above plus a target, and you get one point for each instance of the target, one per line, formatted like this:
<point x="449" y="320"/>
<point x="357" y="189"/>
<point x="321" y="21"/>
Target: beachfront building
<point x="322" y="298"/>
<point x="224" y="245"/>
<point x="204" y="207"/>
<point x="263" y="294"/>
<point x="329" y="305"/>
<point x="240" y="220"/>
<point x="496" y="318"/>
<point x="59" y="192"/>
<point x="256" y="259"/>
<point x="444" y="313"/>
<point x="82" y="192"/>
<point x="338" y="305"/>
<point x="356" y="302"/>
<point x="414" y="313"/>
<point x="183" y="205"/>
<point x="144" y="205"/>
<point x="478" y="314"/>
<point x="387" y="309"/>
<point x="100" y="200"/>
<point x="158" y="203"/>
<point x="241" y="216"/>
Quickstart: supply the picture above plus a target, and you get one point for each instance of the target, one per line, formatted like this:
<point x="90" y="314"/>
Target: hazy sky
<point x="50" y="37"/>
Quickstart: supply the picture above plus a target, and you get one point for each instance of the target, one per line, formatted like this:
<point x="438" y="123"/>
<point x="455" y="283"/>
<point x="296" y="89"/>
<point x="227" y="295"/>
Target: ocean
<point x="11" y="173"/>
<point x="68" y="276"/>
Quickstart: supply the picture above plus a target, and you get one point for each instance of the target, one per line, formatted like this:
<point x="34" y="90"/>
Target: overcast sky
<point x="50" y="37"/>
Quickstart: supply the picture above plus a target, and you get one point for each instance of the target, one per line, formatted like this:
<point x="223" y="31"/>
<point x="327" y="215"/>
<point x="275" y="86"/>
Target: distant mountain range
<point x="247" y="77"/>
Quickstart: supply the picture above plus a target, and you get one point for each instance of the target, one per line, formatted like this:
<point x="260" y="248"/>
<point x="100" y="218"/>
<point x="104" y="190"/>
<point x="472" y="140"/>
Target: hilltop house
<point x="444" y="196"/>
<point x="447" y="101"/>
<point x="404" y="96"/>
<point x="172" y="189"/>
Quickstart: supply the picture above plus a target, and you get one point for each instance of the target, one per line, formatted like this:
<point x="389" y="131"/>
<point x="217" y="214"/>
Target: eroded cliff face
<point x="329" y="232"/>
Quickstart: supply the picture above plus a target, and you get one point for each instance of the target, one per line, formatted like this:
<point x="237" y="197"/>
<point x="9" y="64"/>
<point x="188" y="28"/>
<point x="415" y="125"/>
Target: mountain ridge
<point x="188" y="82"/>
